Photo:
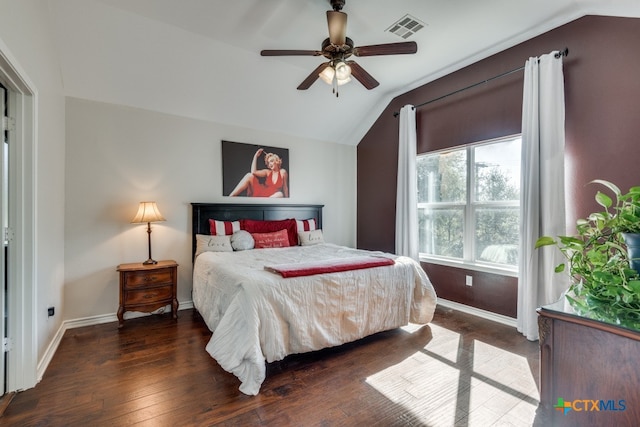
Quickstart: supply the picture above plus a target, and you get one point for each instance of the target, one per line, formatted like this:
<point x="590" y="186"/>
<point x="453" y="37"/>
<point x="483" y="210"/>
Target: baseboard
<point x="81" y="322"/>
<point x="505" y="320"/>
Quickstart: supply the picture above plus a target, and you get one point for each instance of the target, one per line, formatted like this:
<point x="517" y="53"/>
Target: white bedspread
<point x="256" y="315"/>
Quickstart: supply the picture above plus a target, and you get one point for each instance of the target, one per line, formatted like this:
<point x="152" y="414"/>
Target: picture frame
<point x="250" y="170"/>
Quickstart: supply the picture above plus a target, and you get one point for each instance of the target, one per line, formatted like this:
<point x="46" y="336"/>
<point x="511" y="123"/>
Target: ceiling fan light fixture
<point x="343" y="81"/>
<point x="343" y="71"/>
<point x="327" y="75"/>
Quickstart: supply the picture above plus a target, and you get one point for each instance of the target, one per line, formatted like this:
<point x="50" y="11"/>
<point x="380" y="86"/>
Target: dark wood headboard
<point x="202" y="212"/>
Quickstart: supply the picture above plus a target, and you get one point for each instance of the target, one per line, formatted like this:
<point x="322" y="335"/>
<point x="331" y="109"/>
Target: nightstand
<point x="146" y="288"/>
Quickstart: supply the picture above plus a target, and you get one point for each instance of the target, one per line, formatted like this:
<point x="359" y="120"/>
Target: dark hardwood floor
<point x="459" y="370"/>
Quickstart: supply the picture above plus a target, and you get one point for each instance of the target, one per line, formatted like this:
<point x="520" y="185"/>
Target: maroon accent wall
<point x="487" y="290"/>
<point x="602" y="99"/>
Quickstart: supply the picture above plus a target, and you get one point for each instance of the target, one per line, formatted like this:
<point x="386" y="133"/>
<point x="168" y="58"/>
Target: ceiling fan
<point x="337" y="49"/>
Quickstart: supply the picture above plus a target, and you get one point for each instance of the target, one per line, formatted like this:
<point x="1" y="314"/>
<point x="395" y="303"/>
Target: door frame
<point x="3" y="281"/>
<point x="21" y="313"/>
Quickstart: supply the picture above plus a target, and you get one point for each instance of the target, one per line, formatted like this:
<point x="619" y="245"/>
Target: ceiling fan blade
<point x="290" y="53"/>
<point x="311" y="78"/>
<point x="386" y="49"/>
<point x="362" y="76"/>
<point x="337" y="27"/>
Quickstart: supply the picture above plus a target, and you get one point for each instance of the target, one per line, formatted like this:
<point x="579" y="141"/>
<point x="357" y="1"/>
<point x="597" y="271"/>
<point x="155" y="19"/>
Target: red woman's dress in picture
<point x="270" y="186"/>
<point x="267" y="176"/>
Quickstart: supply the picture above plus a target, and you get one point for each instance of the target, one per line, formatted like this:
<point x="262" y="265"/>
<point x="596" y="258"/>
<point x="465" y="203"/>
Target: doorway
<point x="3" y="205"/>
<point x="18" y="314"/>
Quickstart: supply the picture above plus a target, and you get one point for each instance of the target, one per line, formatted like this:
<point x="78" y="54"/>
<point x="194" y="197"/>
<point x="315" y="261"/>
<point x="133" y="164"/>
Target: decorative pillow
<point x="223" y="228"/>
<point x="255" y="226"/>
<point x="308" y="238"/>
<point x="242" y="240"/>
<point x="306" y="225"/>
<point x="206" y="243"/>
<point x="276" y="239"/>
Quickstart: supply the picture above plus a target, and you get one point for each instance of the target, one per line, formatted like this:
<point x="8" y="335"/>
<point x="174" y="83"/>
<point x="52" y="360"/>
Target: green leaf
<point x="559" y="268"/>
<point x="629" y="274"/>
<point x="634" y="190"/>
<point x="599" y="219"/>
<point x="567" y="240"/>
<point x="577" y="303"/>
<point x="571" y="243"/>
<point x="603" y="276"/>
<point x="544" y="241"/>
<point x="615" y="246"/>
<point x="628" y="216"/>
<point x="611" y="186"/>
<point x="635" y="286"/>
<point x="603" y="200"/>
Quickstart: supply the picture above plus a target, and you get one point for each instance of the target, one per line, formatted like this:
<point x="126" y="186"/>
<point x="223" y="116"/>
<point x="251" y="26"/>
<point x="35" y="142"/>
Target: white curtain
<point x="406" y="199"/>
<point x="542" y="205"/>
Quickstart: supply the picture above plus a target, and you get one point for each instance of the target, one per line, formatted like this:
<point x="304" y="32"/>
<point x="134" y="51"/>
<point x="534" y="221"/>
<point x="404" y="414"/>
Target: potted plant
<point x="603" y="283"/>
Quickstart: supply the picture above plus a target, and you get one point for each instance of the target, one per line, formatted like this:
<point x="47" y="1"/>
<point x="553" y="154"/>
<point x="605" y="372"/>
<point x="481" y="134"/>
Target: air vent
<point x="406" y="26"/>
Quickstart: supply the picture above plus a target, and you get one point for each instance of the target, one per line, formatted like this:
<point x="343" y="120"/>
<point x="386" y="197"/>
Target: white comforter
<point x="256" y="315"/>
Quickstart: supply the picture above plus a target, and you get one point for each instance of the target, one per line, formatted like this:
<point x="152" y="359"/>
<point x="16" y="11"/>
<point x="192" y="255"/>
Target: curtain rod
<point x="564" y="52"/>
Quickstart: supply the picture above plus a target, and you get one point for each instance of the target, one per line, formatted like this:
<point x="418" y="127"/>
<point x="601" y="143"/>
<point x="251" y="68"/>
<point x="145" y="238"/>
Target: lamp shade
<point x="148" y="212"/>
<point x="343" y="71"/>
<point x="327" y="75"/>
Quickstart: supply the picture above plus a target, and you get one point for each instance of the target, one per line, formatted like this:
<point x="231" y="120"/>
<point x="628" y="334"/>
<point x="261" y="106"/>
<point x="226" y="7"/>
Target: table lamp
<point x="148" y="212"/>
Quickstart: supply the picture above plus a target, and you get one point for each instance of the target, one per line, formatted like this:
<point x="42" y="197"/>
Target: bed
<point x="257" y="314"/>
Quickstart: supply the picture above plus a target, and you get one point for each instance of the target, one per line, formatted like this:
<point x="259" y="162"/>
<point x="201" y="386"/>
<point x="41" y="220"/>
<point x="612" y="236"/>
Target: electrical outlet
<point x="51" y="311"/>
<point x="469" y="281"/>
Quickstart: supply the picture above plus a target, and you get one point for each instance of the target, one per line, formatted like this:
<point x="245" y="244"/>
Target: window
<point x="469" y="204"/>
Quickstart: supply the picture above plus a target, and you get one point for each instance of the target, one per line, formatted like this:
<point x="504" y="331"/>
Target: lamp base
<point x="150" y="262"/>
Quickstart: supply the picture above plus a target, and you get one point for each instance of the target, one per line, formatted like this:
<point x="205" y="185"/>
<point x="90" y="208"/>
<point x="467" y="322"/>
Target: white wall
<point x="117" y="156"/>
<point x="25" y="31"/>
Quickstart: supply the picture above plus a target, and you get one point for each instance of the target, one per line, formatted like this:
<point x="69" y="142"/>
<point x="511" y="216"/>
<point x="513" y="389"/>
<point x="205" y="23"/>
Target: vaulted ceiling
<point x="201" y="58"/>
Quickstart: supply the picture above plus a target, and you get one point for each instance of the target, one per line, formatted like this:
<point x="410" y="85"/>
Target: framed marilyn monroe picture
<point x="250" y="170"/>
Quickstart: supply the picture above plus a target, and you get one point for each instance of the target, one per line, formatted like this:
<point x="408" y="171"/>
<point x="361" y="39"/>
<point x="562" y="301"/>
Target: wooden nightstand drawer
<point x="134" y="279"/>
<point x="146" y="288"/>
<point x="145" y="296"/>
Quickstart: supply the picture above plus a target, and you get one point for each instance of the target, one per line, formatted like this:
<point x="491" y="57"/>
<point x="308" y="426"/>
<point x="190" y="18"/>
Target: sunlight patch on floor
<point x="445" y="343"/>
<point x="455" y="382"/>
<point x="420" y="384"/>
<point x="411" y="327"/>
<point x="512" y="369"/>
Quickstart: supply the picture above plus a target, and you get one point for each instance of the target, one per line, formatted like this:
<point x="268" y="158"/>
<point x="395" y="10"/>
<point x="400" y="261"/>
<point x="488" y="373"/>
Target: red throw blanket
<point x="328" y="266"/>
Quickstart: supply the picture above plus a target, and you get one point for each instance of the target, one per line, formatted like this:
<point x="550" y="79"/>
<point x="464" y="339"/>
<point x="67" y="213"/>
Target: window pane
<point x="441" y="231"/>
<point x="497" y="171"/>
<point x="442" y="177"/>
<point x="497" y="234"/>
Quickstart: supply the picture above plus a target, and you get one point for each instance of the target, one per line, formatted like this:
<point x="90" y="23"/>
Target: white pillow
<point x="206" y="243"/>
<point x="242" y="240"/>
<point x="313" y="237"/>
<point x="305" y="225"/>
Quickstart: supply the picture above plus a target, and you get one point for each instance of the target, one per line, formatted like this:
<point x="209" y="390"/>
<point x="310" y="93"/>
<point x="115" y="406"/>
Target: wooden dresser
<point x="146" y="288"/>
<point x="588" y="367"/>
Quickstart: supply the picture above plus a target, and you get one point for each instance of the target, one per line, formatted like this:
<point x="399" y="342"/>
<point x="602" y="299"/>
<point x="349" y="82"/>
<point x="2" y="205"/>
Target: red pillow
<point x="255" y="226"/>
<point x="223" y="228"/>
<point x="276" y="239"/>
